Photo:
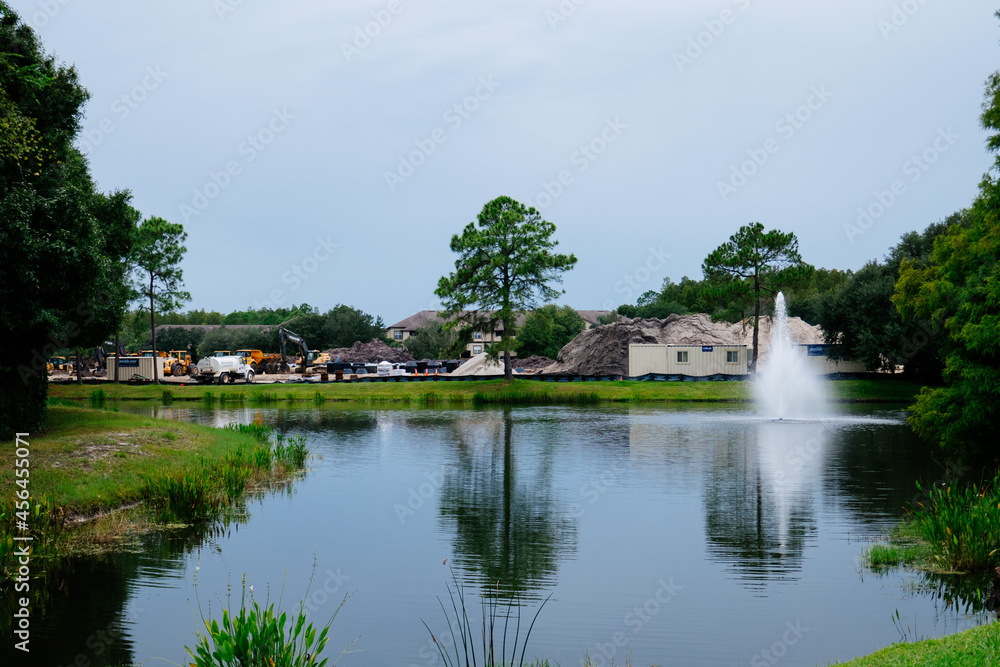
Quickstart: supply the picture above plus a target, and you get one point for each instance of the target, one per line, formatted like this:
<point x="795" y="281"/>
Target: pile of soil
<point x="534" y="363"/>
<point x="604" y="350"/>
<point x="371" y="353"/>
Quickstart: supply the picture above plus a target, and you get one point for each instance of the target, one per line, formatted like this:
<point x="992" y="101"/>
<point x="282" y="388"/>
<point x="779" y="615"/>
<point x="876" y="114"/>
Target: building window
<point x="477" y="335"/>
<point x="477" y="349"/>
<point x="397" y="335"/>
<point x="732" y="356"/>
<point x="682" y="357"/>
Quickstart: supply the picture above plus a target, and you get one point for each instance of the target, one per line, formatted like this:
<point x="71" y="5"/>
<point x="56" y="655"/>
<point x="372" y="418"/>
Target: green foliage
<point x="263" y="636"/>
<point x="431" y="341"/>
<point x="862" y="319"/>
<point x="545" y="331"/>
<point x="751" y="264"/>
<point x="342" y="326"/>
<point x="225" y="338"/>
<point x="962" y="525"/>
<point x="505" y="265"/>
<point x="961" y="289"/>
<point x="157" y="255"/>
<point x="62" y="242"/>
<point x="495" y="614"/>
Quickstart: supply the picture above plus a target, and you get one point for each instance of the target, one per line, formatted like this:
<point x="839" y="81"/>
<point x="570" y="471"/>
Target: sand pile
<point x="604" y="350"/>
<point x="478" y="364"/>
<point x="371" y="353"/>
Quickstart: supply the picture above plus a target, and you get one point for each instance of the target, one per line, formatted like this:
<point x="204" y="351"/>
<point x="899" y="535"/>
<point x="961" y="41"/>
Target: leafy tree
<point x="431" y="341"/>
<point x="179" y="338"/>
<point x="505" y="265"/>
<point x="754" y="263"/>
<point x="158" y="252"/>
<point x="863" y="321"/>
<point x="62" y="242"/>
<point x="545" y="331"/>
<point x="961" y="289"/>
<point x="345" y="326"/>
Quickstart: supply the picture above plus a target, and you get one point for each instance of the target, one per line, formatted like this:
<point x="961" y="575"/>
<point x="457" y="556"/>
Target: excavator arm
<point x="286" y="335"/>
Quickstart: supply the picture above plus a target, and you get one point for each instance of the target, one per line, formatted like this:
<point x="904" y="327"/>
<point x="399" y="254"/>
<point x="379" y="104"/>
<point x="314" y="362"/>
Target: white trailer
<point x="224" y="370"/>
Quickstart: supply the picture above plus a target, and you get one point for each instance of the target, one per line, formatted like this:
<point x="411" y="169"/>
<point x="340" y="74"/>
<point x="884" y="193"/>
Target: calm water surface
<point x="681" y="537"/>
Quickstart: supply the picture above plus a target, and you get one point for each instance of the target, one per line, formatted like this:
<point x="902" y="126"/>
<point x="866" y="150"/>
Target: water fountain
<point x="786" y="388"/>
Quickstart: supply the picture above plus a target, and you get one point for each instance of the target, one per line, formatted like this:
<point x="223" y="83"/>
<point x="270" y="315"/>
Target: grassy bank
<point x="978" y="647"/>
<point x="97" y="475"/>
<point x="493" y="392"/>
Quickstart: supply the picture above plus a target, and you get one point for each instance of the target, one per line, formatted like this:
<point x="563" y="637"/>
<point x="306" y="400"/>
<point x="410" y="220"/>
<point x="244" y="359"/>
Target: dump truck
<point x="261" y="362"/>
<point x="224" y="370"/>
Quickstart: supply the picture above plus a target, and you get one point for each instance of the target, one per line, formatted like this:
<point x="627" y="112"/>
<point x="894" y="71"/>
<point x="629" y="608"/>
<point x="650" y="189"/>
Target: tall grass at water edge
<point x="961" y="525"/>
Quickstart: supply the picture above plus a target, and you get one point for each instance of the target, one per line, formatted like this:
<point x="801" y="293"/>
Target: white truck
<point x="223" y="370"/>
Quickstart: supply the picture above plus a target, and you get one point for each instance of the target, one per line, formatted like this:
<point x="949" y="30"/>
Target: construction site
<point x="677" y="347"/>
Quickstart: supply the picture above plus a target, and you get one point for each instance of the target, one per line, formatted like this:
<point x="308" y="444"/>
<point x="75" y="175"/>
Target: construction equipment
<point x="179" y="363"/>
<point x="59" y="364"/>
<point x="224" y="370"/>
<point x="261" y="362"/>
<point x="305" y="357"/>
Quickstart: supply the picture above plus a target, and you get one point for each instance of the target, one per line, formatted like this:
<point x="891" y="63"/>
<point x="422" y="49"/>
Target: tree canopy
<point x="545" y="331"/>
<point x="505" y="265"/>
<point x="961" y="289"/>
<point x="62" y="243"/>
<point x="751" y="264"/>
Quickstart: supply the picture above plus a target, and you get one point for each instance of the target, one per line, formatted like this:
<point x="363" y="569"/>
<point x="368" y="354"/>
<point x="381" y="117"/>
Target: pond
<point x="686" y="536"/>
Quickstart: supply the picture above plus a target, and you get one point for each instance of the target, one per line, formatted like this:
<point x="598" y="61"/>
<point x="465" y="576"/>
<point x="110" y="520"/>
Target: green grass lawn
<point x="484" y="392"/>
<point x="89" y="460"/>
<point x="978" y="647"/>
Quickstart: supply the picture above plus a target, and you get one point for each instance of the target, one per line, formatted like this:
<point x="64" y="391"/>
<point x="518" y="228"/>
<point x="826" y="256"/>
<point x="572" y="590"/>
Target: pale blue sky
<point x="275" y="131"/>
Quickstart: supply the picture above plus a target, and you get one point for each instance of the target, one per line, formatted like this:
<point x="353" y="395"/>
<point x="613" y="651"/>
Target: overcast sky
<point x="326" y="152"/>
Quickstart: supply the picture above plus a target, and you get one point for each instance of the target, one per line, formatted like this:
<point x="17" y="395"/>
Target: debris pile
<point x="533" y="363"/>
<point x="604" y="350"/>
<point x="371" y="353"/>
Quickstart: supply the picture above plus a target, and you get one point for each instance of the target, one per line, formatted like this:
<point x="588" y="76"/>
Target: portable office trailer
<point x="134" y="366"/>
<point x="818" y="361"/>
<point x="692" y="360"/>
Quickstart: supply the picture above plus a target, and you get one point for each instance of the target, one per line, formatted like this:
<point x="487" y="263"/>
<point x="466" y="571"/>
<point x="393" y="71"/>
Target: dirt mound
<point x="371" y="353"/>
<point x="478" y="364"/>
<point x="534" y="363"/>
<point x="604" y="350"/>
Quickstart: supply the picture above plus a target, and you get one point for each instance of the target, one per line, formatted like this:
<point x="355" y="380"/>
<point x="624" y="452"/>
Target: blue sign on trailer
<point x="707" y="348"/>
<point x="128" y="362"/>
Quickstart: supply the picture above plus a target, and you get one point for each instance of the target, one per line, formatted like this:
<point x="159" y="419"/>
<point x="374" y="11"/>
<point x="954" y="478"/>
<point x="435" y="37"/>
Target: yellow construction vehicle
<point x="58" y="364"/>
<point x="178" y="362"/>
<point x="260" y="362"/>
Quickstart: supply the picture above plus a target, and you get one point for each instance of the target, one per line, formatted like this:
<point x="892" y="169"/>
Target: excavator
<point x="305" y="355"/>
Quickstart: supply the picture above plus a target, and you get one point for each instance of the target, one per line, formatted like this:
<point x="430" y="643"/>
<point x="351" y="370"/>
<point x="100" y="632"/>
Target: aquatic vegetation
<point x="962" y="525"/>
<point x="495" y="614"/>
<point x="262" y="634"/>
